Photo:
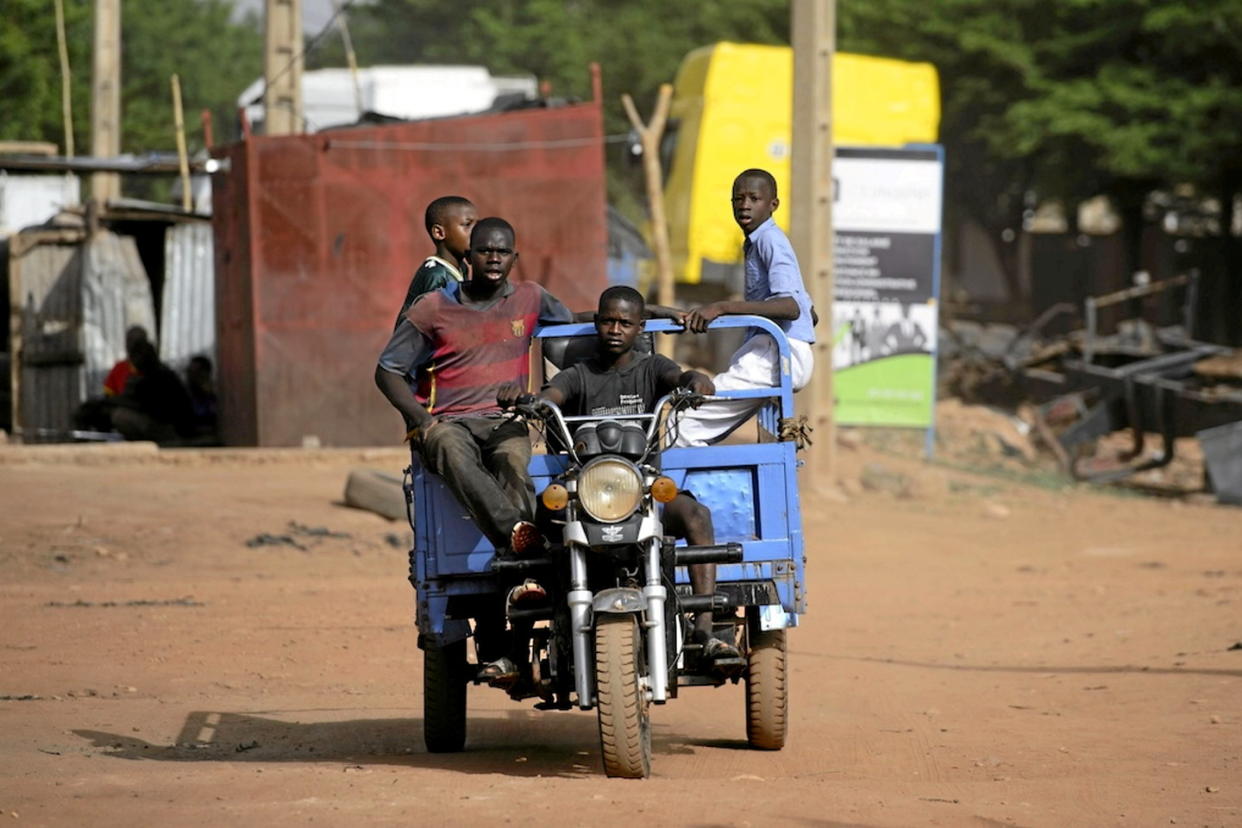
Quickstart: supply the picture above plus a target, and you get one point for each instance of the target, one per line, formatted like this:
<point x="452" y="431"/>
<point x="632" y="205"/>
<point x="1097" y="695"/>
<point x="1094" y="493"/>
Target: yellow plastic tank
<point x="732" y="109"/>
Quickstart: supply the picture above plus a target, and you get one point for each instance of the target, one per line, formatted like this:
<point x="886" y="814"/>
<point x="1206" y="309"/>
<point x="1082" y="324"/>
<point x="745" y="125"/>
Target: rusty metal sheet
<point x="317" y="237"/>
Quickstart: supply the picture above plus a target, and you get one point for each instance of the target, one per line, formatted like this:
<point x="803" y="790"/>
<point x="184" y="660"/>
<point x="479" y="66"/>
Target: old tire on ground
<point x="767" y="697"/>
<point x="624" y="727"/>
<point x="444" y="697"/>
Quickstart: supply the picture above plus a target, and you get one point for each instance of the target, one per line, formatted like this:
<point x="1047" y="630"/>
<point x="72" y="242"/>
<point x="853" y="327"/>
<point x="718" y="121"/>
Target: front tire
<point x="767" y="695"/>
<point x="444" y="697"/>
<point x="624" y="726"/>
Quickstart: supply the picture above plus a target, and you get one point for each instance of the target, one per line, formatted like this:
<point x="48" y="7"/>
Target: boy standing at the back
<point x="449" y="220"/>
<point x="773" y="289"/>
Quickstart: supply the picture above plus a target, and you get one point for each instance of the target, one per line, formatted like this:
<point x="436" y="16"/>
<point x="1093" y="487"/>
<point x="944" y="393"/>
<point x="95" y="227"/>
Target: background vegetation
<point x="1061" y="100"/>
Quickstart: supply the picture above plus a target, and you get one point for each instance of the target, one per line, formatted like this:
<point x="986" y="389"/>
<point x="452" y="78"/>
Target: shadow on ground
<point x="523" y="743"/>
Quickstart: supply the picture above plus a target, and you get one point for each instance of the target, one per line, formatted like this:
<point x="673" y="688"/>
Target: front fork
<point x="657" y="646"/>
<point x="582" y="625"/>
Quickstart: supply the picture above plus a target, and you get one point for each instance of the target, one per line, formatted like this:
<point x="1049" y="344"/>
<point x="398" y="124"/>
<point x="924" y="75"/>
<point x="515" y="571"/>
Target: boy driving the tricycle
<point x="617" y="380"/>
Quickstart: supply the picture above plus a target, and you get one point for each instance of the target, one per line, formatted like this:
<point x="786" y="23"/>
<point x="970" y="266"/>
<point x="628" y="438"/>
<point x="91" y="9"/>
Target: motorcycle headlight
<point x="610" y="489"/>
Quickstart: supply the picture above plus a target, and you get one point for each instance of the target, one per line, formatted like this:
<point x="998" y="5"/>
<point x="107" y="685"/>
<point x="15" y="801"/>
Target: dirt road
<point x="977" y="653"/>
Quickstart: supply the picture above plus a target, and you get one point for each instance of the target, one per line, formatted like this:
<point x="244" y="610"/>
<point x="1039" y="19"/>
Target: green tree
<point x="1072" y="99"/>
<point x="215" y="57"/>
<point x="30" y="84"/>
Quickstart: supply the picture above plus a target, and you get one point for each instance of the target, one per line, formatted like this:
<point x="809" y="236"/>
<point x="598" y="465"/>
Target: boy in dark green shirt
<point x="449" y="220"/>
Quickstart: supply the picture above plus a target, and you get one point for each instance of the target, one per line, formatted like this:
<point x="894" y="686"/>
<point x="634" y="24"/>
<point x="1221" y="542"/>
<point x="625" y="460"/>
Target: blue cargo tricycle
<point x="613" y="633"/>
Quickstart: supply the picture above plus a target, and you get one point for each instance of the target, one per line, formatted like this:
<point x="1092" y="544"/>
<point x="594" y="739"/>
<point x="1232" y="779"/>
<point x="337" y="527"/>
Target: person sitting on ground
<point x="773" y="289"/>
<point x="619" y="380"/>
<point x="114" y="383"/>
<point x="95" y="413"/>
<point x="202" y="388"/>
<point x="449" y="220"/>
<point x="154" y="405"/>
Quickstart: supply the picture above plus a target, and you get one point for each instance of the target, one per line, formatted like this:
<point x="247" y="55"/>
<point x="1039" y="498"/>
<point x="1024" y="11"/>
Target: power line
<point x="399" y="146"/>
<point x="307" y="48"/>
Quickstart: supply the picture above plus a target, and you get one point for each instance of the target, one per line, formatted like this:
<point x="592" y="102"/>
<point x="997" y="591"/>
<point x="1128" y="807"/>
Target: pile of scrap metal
<point x="1145" y="378"/>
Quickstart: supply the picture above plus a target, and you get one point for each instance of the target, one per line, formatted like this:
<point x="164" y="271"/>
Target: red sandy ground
<point x="979" y="653"/>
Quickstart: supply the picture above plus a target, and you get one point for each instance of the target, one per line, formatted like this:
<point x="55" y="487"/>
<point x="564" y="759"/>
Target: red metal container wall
<point x="317" y="237"/>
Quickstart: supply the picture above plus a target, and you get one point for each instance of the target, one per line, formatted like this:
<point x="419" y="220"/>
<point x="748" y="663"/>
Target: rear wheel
<point x="624" y="727"/>
<point x="767" y="698"/>
<point x="444" y="697"/>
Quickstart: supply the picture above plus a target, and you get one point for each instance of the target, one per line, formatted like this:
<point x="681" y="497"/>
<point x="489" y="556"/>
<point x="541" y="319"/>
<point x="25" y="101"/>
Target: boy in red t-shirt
<point x="115" y="382"/>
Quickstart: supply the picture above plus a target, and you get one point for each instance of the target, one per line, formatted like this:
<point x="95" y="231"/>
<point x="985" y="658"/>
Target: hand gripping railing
<point x="782" y="393"/>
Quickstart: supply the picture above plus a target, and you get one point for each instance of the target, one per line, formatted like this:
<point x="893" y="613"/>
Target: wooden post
<point x="106" y="96"/>
<point x="66" y="98"/>
<point x="183" y="161"/>
<point x="351" y="58"/>
<point x="204" y="118"/>
<point x="650" y="135"/>
<point x="813" y="24"/>
<point x="282" y="67"/>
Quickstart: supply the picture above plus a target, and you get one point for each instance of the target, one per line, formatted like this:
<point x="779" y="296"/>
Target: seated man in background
<point x="95" y="414"/>
<point x="154" y="405"/>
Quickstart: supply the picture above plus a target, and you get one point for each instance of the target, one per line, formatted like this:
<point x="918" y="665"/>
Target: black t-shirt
<point x="592" y="389"/>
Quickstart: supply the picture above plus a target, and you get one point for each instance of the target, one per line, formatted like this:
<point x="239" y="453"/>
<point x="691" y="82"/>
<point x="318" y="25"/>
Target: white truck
<point x="330" y="98"/>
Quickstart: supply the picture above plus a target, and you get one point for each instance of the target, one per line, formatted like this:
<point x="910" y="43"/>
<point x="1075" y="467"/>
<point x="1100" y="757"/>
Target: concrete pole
<point x="106" y="96"/>
<point x="282" y="67"/>
<point x="813" y="30"/>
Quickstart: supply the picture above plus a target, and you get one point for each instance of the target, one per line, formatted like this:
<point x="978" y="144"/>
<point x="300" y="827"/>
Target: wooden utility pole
<point x="66" y="85"/>
<point x="183" y="160"/>
<point x="282" y="67"/>
<point x="106" y="96"/>
<point x="650" y="135"/>
<point x="813" y="24"/>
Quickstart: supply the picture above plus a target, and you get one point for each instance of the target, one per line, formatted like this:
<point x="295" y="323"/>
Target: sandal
<point x="499" y="673"/>
<point x="527" y="591"/>
<point x="716" y="650"/>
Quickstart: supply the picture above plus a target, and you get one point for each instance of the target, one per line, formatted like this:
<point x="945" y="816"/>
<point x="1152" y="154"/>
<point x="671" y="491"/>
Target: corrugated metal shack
<point x="78" y="282"/>
<point x="317" y="237"/>
<point x="72" y="295"/>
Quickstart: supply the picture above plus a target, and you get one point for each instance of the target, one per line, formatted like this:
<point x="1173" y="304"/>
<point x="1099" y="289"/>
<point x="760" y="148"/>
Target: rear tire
<point x="444" y="697"/>
<point x="624" y="726"/>
<point x="767" y="696"/>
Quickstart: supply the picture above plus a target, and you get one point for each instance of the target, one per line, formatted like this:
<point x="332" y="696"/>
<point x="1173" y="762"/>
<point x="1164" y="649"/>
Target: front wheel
<point x="767" y="696"/>
<point x="624" y="727"/>
<point x="444" y="697"/>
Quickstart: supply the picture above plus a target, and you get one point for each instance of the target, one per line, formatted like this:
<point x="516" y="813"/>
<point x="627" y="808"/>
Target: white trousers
<point x="754" y="365"/>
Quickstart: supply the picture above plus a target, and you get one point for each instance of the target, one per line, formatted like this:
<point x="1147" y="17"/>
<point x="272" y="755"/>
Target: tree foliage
<point x="1090" y="96"/>
<point x="214" y="56"/>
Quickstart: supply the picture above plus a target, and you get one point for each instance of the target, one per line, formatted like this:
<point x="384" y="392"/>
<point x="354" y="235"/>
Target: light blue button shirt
<point x="772" y="270"/>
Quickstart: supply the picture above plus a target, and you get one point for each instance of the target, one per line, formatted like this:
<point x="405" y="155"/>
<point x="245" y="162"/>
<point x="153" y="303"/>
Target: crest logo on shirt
<point x="518" y="326"/>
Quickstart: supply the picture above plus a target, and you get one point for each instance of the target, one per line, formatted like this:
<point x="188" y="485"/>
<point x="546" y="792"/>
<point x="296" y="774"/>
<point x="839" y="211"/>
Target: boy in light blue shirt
<point x="773" y="289"/>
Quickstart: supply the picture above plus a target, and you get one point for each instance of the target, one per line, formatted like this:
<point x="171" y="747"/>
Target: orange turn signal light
<point x="663" y="489"/>
<point x="555" y="497"/>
